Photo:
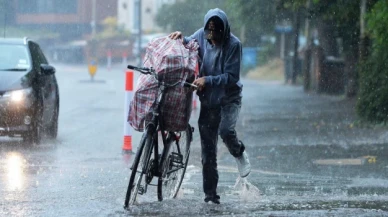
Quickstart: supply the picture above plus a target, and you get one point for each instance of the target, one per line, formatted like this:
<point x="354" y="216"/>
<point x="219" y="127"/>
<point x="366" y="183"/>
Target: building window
<point x="47" y="6"/>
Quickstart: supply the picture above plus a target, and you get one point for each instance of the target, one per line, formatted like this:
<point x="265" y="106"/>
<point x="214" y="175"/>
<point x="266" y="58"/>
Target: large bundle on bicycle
<point x="173" y="62"/>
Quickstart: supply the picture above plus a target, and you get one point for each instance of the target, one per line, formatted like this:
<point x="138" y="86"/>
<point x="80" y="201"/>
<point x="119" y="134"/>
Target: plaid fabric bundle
<point x="173" y="62"/>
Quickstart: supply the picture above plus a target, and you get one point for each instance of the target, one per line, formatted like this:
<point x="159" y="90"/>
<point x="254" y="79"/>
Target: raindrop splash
<point x="246" y="190"/>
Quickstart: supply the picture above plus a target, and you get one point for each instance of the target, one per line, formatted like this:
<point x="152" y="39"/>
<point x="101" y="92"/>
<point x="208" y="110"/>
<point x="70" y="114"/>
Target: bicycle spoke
<point x="175" y="167"/>
<point x="138" y="171"/>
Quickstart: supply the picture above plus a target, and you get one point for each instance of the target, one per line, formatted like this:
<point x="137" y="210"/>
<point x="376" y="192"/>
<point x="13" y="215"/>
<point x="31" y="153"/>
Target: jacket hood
<point x="216" y="12"/>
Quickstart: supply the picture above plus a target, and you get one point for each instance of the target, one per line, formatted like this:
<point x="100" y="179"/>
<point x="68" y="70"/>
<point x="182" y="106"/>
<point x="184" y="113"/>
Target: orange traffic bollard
<point x="127" y="146"/>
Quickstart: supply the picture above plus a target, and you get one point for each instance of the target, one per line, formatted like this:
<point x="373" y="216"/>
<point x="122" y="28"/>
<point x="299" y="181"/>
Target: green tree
<point x="372" y="104"/>
<point x="111" y="29"/>
<point x="249" y="19"/>
<point x="255" y="18"/>
<point x="338" y="19"/>
<point x="185" y="16"/>
<point x="333" y="19"/>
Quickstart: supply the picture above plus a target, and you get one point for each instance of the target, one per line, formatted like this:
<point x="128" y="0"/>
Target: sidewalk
<point x="274" y="114"/>
<point x="278" y="114"/>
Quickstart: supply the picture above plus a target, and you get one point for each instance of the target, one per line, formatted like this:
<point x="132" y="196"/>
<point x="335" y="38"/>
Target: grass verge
<point x="272" y="71"/>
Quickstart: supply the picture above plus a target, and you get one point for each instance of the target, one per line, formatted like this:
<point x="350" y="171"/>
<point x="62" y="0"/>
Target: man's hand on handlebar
<point x="175" y="35"/>
<point x="193" y="87"/>
<point x="200" y="83"/>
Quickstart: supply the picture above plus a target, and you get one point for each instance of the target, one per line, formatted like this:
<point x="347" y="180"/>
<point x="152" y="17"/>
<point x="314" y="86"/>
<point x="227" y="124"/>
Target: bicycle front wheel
<point x="139" y="168"/>
<point x="175" y="165"/>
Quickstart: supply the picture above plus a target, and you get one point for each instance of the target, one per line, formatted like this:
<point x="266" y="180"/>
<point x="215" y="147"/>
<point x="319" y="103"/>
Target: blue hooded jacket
<point x="220" y="64"/>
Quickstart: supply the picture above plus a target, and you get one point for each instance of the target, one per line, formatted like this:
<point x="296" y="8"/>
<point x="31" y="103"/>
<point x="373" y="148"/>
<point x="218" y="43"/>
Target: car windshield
<point x="14" y="57"/>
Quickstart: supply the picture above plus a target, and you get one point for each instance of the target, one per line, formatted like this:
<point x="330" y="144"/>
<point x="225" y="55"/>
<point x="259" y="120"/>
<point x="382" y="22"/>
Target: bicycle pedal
<point x="141" y="190"/>
<point x="176" y="158"/>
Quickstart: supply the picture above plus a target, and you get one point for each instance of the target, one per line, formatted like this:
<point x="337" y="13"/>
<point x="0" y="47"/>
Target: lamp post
<point x="138" y="8"/>
<point x="296" y="46"/>
<point x="363" y="37"/>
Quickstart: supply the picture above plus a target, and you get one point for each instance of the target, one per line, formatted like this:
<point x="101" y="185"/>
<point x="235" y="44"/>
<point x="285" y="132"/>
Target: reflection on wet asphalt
<point x="308" y="157"/>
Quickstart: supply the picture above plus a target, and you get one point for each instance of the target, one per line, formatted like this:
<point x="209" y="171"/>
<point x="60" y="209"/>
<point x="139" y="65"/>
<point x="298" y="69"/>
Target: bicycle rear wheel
<point x="175" y="165"/>
<point x="139" y="169"/>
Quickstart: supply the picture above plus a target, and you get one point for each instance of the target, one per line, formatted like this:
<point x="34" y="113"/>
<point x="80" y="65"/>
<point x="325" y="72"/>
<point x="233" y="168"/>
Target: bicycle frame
<point x="152" y="128"/>
<point x="155" y="125"/>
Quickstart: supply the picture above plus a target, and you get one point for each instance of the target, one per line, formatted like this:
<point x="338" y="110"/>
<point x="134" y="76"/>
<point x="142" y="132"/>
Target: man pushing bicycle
<point x="219" y="91"/>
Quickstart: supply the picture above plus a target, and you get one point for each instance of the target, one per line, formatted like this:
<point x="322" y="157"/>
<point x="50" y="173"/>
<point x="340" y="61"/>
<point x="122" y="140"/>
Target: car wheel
<point x="52" y="130"/>
<point x="34" y="136"/>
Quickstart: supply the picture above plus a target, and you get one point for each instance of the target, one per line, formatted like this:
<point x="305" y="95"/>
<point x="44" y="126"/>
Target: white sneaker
<point x="243" y="165"/>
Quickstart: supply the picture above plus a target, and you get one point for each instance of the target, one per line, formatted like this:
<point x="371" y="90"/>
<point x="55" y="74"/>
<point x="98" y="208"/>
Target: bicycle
<point x="170" y="165"/>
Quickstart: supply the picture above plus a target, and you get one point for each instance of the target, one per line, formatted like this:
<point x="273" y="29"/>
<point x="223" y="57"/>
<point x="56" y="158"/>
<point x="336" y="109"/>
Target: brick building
<point x="72" y="19"/>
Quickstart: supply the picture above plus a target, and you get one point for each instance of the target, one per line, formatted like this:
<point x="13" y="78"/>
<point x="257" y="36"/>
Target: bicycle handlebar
<point x="143" y="70"/>
<point x="151" y="71"/>
<point x="131" y="67"/>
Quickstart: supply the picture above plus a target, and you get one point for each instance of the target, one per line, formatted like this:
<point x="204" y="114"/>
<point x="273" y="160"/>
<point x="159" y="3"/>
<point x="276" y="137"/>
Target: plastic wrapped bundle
<point x="173" y="62"/>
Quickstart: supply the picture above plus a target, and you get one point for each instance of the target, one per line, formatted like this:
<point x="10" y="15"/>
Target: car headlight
<point x="17" y="95"/>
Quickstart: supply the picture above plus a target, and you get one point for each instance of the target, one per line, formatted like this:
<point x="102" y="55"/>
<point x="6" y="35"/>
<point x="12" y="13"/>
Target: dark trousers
<point x="213" y="122"/>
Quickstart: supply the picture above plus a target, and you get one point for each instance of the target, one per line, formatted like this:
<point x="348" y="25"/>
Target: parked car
<point x="29" y="93"/>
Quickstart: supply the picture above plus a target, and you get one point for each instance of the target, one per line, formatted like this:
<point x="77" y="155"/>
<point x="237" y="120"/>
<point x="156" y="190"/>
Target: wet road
<point x="309" y="158"/>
